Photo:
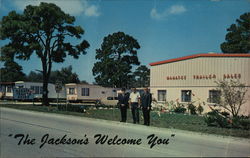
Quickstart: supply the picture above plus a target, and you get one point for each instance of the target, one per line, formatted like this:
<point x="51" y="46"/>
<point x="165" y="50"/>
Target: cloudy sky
<point x="164" y="28"/>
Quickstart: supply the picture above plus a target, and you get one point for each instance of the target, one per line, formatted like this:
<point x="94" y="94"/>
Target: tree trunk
<point x="45" y="100"/>
<point x="45" y="92"/>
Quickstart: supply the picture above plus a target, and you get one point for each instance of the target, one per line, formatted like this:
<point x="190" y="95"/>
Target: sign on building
<point x="23" y="94"/>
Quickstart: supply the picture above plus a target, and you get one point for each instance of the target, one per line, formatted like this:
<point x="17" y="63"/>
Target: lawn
<point x="177" y="121"/>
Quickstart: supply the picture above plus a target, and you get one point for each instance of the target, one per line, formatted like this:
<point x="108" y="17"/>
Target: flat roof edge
<point x="196" y="56"/>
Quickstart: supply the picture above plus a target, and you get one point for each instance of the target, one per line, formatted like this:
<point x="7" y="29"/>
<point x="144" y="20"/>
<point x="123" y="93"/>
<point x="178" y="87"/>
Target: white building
<point x="88" y="92"/>
<point x="37" y="90"/>
<point x="6" y="90"/>
<point x="193" y="78"/>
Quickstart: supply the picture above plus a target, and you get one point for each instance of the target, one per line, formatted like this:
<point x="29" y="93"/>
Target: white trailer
<point x="36" y="89"/>
<point x="6" y="90"/>
<point x="88" y="92"/>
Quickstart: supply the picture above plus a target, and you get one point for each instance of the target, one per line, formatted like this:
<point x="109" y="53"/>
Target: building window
<point x="41" y="90"/>
<point x="186" y="95"/>
<point x="37" y="89"/>
<point x="71" y="90"/>
<point x="85" y="91"/>
<point x="8" y="89"/>
<point x="162" y="95"/>
<point x="214" y="96"/>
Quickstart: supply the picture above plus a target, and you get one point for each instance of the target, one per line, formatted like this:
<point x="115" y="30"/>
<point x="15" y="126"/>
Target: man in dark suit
<point x="123" y="104"/>
<point x="146" y="100"/>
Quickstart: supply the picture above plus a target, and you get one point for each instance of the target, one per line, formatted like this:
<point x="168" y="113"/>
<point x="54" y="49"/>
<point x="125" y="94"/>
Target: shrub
<point x="200" y="109"/>
<point x="241" y="122"/>
<point x="180" y="109"/>
<point x="192" y="109"/>
<point x="245" y="123"/>
<point x="73" y="108"/>
<point x="224" y="113"/>
<point x="222" y="119"/>
<point x="214" y="118"/>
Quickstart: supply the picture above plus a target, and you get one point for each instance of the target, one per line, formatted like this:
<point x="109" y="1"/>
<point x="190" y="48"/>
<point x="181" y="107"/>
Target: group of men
<point x="135" y="101"/>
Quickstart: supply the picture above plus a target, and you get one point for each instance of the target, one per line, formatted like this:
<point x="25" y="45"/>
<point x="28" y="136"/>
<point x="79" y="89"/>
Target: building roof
<point x="74" y="84"/>
<point x="197" y="56"/>
<point x="7" y="83"/>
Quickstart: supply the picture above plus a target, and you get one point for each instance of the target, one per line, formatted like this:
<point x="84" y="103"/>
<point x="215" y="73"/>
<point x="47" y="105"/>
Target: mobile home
<point x="34" y="90"/>
<point x="6" y="90"/>
<point x="88" y="92"/>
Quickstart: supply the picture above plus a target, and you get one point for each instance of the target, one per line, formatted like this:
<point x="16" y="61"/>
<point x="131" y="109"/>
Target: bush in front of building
<point x="180" y="109"/>
<point x="82" y="108"/>
<point x="215" y="118"/>
<point x="200" y="109"/>
<point x="241" y="122"/>
<point x="223" y="120"/>
<point x="232" y="96"/>
<point x="72" y="108"/>
<point x="226" y="114"/>
<point x="192" y="109"/>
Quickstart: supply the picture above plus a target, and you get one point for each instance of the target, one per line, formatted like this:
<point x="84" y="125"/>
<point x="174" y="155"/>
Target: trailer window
<point x="8" y="89"/>
<point x="71" y="90"/>
<point x="85" y="91"/>
<point x="41" y="90"/>
<point x="31" y="87"/>
<point x="37" y="90"/>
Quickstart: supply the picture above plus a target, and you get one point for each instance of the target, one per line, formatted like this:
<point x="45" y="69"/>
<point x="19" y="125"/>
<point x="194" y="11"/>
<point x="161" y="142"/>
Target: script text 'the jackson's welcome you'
<point x="99" y="139"/>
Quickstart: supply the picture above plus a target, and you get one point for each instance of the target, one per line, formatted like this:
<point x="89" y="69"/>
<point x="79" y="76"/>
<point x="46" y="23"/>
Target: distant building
<point x="192" y="78"/>
<point x="6" y="90"/>
<point x="28" y="90"/>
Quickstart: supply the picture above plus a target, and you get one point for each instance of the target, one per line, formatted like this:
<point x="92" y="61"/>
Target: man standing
<point x="146" y="100"/>
<point x="123" y="104"/>
<point x="134" y="102"/>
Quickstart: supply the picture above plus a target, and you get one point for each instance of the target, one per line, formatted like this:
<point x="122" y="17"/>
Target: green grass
<point x="178" y="121"/>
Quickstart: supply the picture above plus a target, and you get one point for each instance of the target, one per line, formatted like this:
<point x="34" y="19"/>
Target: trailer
<point x="6" y="90"/>
<point x="88" y="93"/>
<point x="34" y="91"/>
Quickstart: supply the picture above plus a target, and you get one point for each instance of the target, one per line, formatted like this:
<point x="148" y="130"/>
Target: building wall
<point x="200" y="76"/>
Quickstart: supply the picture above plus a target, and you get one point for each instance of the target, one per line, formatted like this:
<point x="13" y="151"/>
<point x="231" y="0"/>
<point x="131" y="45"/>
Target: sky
<point x="165" y="29"/>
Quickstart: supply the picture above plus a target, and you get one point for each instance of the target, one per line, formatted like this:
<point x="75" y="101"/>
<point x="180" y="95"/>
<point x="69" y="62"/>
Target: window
<point x="162" y="95"/>
<point x="8" y="89"/>
<point x="186" y="95"/>
<point x="214" y="96"/>
<point x="85" y="91"/>
<point x="71" y="90"/>
<point x="32" y="88"/>
<point x="41" y="90"/>
<point x="37" y="89"/>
